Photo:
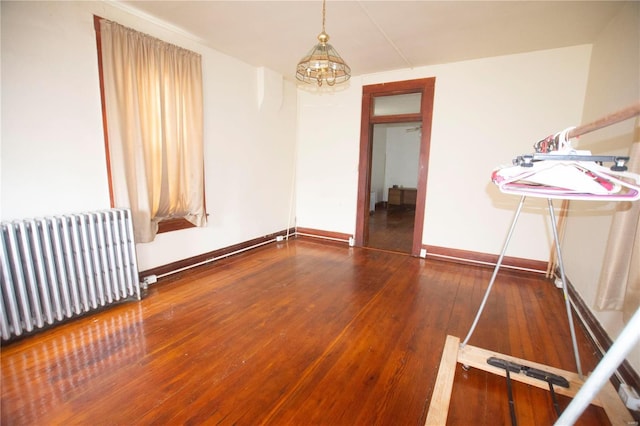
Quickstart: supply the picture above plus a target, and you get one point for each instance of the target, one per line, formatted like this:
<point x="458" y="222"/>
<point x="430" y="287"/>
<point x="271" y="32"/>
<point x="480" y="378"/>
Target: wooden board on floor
<point x="472" y="356"/>
<point x="437" y="415"/>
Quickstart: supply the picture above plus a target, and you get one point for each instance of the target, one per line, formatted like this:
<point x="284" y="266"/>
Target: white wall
<point x="327" y="159"/>
<point x="378" y="162"/>
<point x="614" y="83"/>
<point x="403" y="153"/>
<point x="52" y="154"/>
<point x="394" y="158"/>
<point x="486" y="112"/>
<point x="52" y="143"/>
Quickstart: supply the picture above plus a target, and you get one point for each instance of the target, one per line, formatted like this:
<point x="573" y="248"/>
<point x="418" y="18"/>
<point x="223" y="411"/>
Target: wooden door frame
<point x="426" y="86"/>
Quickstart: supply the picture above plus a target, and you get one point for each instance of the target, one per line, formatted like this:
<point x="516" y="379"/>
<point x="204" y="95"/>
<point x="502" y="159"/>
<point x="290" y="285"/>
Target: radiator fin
<point x="57" y="268"/>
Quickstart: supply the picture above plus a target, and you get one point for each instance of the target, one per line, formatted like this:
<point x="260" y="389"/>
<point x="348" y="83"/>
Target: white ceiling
<point x="374" y="36"/>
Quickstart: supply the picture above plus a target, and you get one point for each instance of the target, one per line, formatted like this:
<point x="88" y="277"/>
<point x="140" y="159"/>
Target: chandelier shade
<point x="323" y="63"/>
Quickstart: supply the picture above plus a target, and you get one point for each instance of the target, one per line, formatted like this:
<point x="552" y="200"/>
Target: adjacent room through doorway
<point x="394" y="183"/>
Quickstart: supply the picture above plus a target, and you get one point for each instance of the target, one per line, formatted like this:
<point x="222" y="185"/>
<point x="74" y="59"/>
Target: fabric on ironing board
<point x="576" y="180"/>
<point x="573" y="179"/>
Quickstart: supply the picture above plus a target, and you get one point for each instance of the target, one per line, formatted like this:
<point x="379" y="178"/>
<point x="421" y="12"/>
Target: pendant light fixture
<point x="323" y="64"/>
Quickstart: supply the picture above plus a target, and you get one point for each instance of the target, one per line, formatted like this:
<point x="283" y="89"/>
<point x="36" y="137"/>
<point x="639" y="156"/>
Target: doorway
<point x="394" y="182"/>
<point x="388" y="109"/>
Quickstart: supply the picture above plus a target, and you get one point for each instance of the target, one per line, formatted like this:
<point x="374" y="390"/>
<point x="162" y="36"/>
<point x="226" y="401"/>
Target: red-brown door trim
<point x="426" y="86"/>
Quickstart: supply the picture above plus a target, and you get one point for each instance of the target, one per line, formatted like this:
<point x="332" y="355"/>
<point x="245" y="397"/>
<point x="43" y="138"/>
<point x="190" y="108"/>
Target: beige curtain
<point x="153" y="97"/>
<point x="619" y="285"/>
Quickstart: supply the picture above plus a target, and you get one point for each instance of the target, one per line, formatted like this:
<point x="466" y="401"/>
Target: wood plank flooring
<point x="391" y="228"/>
<point x="294" y="333"/>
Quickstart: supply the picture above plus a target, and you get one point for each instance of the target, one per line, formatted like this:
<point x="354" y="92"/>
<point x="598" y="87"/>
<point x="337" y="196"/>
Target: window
<point x="153" y="121"/>
<point x="397" y="104"/>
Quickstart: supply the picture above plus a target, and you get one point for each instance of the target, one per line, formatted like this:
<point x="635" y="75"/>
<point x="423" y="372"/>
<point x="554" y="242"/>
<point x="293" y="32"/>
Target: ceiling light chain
<point x="323" y="63"/>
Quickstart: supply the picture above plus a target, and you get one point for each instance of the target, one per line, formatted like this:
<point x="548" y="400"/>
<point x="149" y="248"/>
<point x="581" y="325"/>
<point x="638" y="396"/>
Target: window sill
<point x="174" y="225"/>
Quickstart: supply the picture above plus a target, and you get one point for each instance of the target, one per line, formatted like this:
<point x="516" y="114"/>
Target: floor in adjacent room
<point x="391" y="228"/>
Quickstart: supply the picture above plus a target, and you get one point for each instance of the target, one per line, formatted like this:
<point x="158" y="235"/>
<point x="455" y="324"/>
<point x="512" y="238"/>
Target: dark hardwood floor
<point x="294" y="333"/>
<point x="391" y="228"/>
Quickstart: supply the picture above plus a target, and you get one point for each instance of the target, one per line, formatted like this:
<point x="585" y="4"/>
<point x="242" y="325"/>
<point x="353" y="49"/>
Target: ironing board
<point x="555" y="171"/>
<point x="555" y="177"/>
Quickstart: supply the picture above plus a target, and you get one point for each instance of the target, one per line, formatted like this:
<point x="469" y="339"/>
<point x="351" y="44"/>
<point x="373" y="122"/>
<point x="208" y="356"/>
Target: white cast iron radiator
<point x="56" y="268"/>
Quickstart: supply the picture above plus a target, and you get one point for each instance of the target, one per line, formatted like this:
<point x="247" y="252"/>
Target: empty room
<point x="320" y="212"/>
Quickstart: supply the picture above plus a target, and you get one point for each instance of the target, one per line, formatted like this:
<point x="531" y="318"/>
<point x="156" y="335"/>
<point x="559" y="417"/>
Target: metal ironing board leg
<point x="562" y="276"/>
<point x="495" y="273"/>
<point x="567" y="302"/>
